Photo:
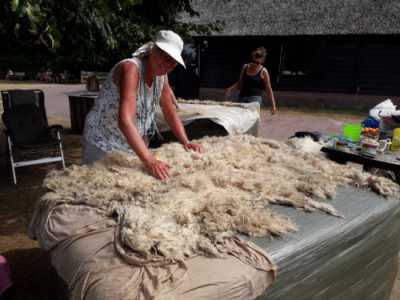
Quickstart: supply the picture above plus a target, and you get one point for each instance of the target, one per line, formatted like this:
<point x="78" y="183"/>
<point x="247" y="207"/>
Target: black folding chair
<point x="30" y="139"/>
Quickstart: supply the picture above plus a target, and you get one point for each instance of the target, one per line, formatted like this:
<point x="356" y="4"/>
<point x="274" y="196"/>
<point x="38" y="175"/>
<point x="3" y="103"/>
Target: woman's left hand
<point x="193" y="146"/>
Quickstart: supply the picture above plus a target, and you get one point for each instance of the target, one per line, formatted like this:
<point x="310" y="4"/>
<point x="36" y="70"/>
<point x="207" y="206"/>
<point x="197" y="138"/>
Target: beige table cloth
<point x="86" y="254"/>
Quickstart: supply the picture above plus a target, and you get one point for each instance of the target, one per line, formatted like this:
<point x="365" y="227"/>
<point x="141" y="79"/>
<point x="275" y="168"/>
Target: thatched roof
<point x="300" y="17"/>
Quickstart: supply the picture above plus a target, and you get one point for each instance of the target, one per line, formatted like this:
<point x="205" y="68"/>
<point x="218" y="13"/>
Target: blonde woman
<point x="124" y="115"/>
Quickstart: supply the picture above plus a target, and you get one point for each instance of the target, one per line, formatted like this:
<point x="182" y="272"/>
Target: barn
<point x="330" y="53"/>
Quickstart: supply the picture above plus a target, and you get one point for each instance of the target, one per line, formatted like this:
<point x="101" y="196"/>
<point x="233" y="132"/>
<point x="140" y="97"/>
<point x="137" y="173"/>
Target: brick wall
<point x="314" y="100"/>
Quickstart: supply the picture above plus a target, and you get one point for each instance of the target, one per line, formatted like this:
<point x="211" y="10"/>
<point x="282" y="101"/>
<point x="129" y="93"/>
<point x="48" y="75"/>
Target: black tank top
<point x="252" y="85"/>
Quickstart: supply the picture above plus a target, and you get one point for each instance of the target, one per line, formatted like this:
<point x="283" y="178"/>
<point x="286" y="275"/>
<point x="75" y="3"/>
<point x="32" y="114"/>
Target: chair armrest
<point x="56" y="127"/>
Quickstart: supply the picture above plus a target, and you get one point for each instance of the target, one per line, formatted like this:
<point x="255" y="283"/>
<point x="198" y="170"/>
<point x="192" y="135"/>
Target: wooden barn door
<point x="186" y="81"/>
<point x="378" y="67"/>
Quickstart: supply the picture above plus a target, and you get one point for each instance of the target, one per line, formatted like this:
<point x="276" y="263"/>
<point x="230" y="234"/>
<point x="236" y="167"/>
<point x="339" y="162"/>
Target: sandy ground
<point x="30" y="274"/>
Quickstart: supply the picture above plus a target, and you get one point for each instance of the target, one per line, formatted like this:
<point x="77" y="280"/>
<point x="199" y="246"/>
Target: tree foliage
<point x="86" y="34"/>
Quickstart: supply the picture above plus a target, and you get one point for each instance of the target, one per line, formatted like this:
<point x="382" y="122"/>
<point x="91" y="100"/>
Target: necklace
<point x="148" y="110"/>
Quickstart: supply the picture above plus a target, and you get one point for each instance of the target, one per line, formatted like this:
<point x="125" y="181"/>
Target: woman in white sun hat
<point x="124" y="115"/>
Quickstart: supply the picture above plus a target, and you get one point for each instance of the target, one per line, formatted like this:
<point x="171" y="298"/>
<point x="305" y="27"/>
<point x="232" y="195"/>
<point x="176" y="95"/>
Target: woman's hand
<point x="158" y="169"/>
<point x="193" y="146"/>
<point x="228" y="94"/>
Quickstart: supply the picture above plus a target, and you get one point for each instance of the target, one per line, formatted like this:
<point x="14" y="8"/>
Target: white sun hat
<point x="171" y="43"/>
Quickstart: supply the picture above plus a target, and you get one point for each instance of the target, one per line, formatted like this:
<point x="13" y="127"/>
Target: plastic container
<point x="396" y="139"/>
<point x="340" y="145"/>
<point x="369" y="147"/>
<point x="369" y="134"/>
<point x="352" y="131"/>
<point x="386" y="135"/>
<point x="384" y="146"/>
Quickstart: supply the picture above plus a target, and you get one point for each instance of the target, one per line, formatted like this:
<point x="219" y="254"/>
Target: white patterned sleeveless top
<point x="101" y="124"/>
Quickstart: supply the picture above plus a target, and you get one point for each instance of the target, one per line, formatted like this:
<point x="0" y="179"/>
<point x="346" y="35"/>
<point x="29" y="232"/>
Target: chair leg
<point x="62" y="157"/>
<point x="13" y="172"/>
<point x="61" y="150"/>
<point x="10" y="156"/>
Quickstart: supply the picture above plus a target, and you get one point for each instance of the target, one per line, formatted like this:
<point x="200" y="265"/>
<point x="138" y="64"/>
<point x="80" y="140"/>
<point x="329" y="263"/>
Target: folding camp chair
<point x="29" y="136"/>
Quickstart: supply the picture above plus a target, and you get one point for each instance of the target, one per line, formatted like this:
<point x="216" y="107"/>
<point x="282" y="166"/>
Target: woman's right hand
<point x="159" y="169"/>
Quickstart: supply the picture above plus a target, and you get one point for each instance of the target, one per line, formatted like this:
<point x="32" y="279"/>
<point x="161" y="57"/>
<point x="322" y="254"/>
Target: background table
<point x="387" y="160"/>
<point x="79" y="106"/>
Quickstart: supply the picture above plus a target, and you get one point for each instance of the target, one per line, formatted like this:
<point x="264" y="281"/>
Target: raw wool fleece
<point x="210" y="196"/>
<point x="307" y="144"/>
<point x="212" y="102"/>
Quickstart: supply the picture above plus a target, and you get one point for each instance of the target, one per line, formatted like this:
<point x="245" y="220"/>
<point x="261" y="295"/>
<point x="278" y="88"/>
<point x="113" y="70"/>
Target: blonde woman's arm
<point x="173" y="121"/>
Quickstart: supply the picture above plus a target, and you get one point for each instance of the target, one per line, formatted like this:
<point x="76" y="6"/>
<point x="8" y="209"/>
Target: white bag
<point x="385" y="107"/>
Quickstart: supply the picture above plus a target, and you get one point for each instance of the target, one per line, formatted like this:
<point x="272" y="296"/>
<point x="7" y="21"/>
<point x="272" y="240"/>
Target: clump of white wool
<point x="210" y="196"/>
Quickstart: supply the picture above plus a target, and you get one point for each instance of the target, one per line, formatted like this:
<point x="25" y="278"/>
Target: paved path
<point x="279" y="127"/>
<point x="56" y="98"/>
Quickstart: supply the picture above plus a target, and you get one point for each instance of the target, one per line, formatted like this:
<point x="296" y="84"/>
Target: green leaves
<point x="90" y="33"/>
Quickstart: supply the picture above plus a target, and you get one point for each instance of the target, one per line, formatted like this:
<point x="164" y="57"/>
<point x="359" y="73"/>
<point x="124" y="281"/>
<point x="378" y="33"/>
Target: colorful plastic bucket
<point x="352" y="131"/>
